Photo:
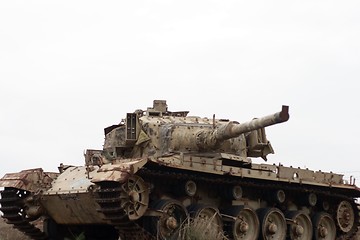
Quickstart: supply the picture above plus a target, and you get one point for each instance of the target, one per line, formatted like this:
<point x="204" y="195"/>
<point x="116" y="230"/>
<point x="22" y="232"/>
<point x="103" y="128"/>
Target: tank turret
<point x="159" y="132"/>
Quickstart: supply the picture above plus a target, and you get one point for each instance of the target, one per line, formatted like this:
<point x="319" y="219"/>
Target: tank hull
<point x="71" y="194"/>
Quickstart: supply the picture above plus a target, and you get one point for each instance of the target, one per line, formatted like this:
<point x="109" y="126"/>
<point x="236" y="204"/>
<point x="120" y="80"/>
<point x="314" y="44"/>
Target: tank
<point x="160" y="170"/>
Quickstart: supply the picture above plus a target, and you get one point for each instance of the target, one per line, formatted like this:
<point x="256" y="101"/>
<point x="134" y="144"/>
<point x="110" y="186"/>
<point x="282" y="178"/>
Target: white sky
<point x="70" y="68"/>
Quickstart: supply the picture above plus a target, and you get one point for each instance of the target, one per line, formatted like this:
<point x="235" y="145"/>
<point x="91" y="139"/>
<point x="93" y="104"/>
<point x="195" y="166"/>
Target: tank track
<point x="108" y="198"/>
<point x="12" y="206"/>
<point x="168" y="174"/>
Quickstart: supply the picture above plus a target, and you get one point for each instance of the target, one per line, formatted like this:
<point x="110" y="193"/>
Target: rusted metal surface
<point x="73" y="208"/>
<point x="72" y="180"/>
<point x="118" y="171"/>
<point x="31" y="179"/>
<point x="72" y="191"/>
<point x="70" y="199"/>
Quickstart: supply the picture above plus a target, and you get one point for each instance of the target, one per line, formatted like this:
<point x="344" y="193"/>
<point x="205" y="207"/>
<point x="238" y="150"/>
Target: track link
<point x="108" y="197"/>
<point x="12" y="207"/>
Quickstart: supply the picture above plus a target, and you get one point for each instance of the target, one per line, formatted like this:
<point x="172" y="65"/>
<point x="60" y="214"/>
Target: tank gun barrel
<point x="211" y="138"/>
<point x="233" y="130"/>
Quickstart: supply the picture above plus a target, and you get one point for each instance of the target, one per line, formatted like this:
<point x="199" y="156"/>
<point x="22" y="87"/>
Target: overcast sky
<point x="68" y="69"/>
